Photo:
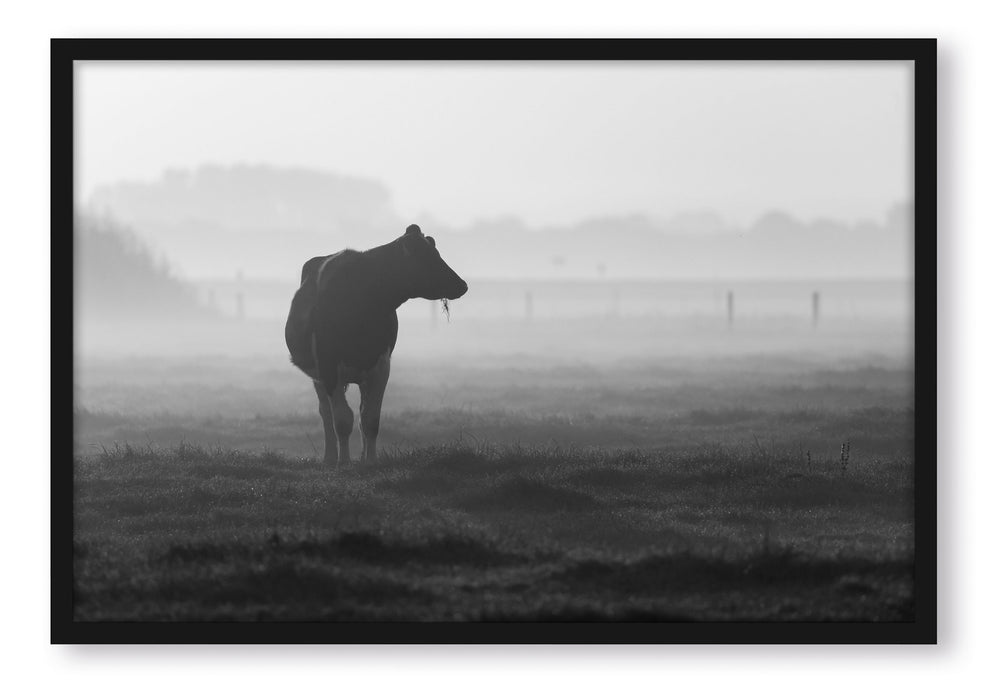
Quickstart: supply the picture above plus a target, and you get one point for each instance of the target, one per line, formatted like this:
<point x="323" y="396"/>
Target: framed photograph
<point x="475" y="341"/>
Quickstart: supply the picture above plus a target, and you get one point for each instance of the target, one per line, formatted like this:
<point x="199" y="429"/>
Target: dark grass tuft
<point x="588" y="612"/>
<point x="446" y="550"/>
<point x="364" y="546"/>
<point x="526" y="494"/>
<point x="689" y="571"/>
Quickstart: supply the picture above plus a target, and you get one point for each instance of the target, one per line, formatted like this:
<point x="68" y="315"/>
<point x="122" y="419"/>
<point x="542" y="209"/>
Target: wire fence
<point x="814" y="301"/>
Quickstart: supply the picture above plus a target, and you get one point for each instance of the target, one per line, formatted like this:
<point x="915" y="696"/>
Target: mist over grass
<point x="251" y="404"/>
<point x="688" y="489"/>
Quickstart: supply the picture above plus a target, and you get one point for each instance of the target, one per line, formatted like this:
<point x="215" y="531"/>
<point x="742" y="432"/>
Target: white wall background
<point x="956" y="667"/>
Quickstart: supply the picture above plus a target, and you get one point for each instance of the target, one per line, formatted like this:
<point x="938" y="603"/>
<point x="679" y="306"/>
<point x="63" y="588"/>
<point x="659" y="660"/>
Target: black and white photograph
<point x="392" y="340"/>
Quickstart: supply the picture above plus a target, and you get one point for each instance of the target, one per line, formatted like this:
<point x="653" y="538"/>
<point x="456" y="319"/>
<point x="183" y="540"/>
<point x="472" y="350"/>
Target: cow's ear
<point x="414" y="230"/>
<point x="431" y="241"/>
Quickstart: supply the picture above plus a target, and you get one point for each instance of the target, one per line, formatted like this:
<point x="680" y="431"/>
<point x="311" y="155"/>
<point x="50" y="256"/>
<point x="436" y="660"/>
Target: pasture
<point x="647" y="484"/>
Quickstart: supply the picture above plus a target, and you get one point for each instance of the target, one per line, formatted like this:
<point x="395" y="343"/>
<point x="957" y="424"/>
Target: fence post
<point x="730" y="304"/>
<point x="815" y="307"/>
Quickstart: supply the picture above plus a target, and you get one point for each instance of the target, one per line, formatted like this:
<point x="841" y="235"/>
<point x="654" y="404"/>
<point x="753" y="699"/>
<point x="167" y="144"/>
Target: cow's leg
<point x="372" y="393"/>
<point x="329" y="437"/>
<point x="343" y="423"/>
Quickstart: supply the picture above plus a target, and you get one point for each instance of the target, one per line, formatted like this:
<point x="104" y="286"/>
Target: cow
<point x="342" y="328"/>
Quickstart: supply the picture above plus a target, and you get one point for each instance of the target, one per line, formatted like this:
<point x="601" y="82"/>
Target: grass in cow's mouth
<point x="445" y="303"/>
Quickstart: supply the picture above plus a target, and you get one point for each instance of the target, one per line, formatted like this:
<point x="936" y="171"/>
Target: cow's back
<point x="335" y="319"/>
<point x="353" y="326"/>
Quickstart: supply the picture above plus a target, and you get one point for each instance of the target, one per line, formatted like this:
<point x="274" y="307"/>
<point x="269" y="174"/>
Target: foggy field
<point x="678" y="315"/>
<point x="696" y="487"/>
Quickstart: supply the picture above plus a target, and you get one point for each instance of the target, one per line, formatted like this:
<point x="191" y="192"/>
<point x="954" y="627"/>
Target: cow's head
<point x="429" y="276"/>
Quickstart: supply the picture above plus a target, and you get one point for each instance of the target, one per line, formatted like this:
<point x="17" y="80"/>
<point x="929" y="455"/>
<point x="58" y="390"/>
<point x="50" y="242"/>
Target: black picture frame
<point x="922" y="52"/>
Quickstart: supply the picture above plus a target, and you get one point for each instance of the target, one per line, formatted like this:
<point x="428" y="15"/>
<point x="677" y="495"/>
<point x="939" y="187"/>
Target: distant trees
<point x="215" y="220"/>
<point x="249" y="197"/>
<point x="263" y="219"/>
<point x="117" y="276"/>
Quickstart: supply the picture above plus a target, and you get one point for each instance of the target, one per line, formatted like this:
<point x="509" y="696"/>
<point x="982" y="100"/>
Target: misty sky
<point x="551" y="143"/>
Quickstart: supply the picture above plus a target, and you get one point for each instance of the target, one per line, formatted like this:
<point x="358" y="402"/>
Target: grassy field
<point x="466" y="533"/>
<point x="678" y="490"/>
